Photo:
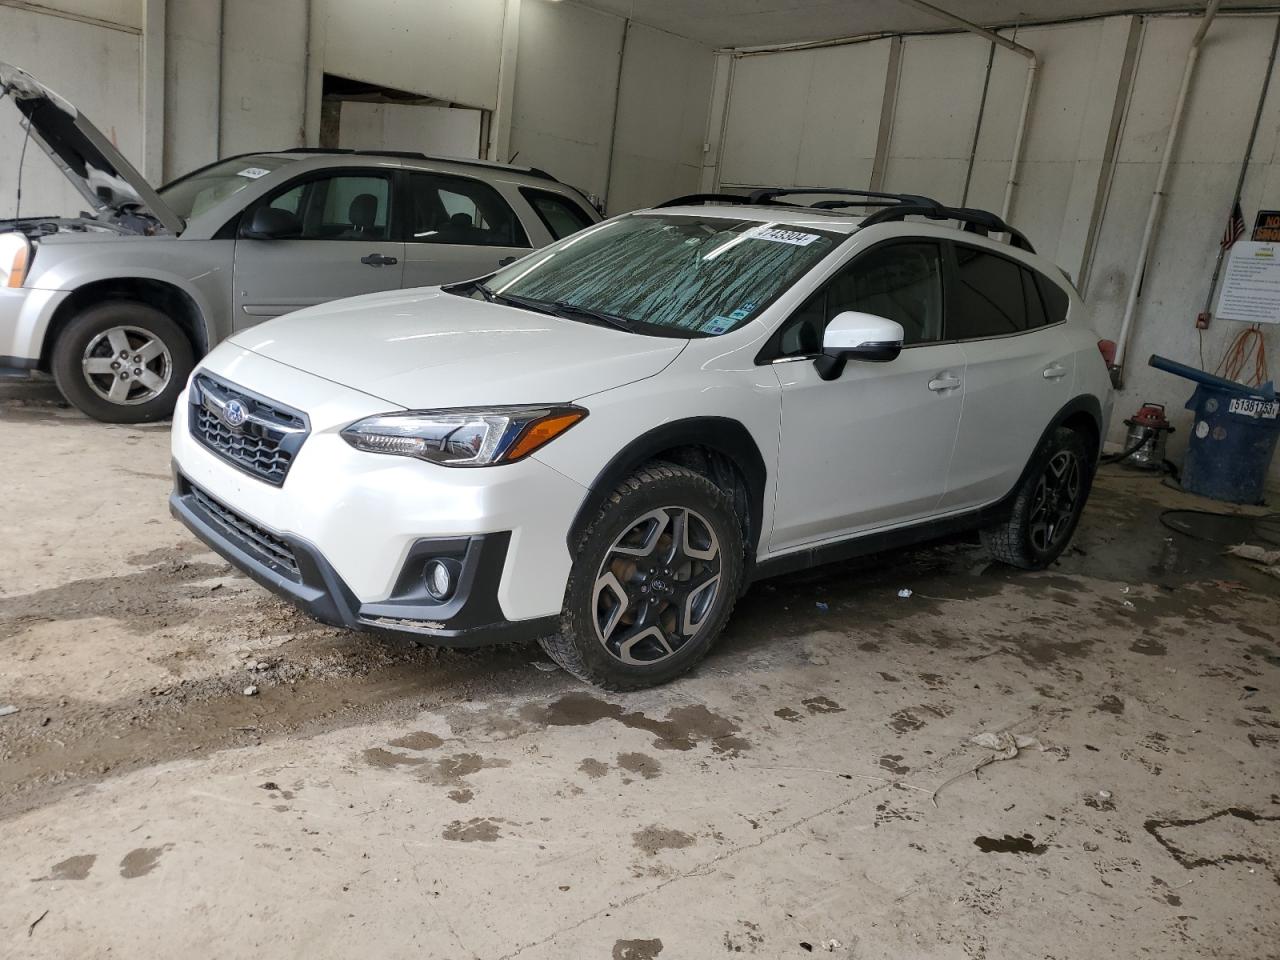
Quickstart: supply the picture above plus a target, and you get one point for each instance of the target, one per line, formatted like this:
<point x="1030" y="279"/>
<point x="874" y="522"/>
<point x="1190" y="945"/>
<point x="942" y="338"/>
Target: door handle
<point x="1054" y="371"/>
<point x="378" y="260"/>
<point x="505" y="260"/>
<point x="943" y="383"/>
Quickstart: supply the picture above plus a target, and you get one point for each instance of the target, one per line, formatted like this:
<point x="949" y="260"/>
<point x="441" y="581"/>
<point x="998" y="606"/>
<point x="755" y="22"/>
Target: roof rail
<point x="413" y="155"/>
<point x="870" y="197"/>
<point x="768" y="196"/>
<point x="976" y="221"/>
<point x="694" y="199"/>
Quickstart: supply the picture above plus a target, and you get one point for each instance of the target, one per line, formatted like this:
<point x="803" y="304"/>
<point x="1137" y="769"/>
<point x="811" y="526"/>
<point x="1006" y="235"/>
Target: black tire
<point x="151" y="386"/>
<point x="682" y="580"/>
<point x="1042" y="521"/>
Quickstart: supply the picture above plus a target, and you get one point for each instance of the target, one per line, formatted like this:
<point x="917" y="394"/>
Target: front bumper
<point x="292" y="568"/>
<point x="25" y="315"/>
<point x="357" y="521"/>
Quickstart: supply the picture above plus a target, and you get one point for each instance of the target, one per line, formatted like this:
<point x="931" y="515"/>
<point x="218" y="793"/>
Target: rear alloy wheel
<point x="122" y="362"/>
<point x="655" y="578"/>
<point x="1048" y="504"/>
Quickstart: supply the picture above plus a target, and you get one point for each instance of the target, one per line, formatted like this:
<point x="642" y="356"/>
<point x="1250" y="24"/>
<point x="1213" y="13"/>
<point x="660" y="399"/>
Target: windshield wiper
<point x="599" y="316"/>
<point x="559" y="308"/>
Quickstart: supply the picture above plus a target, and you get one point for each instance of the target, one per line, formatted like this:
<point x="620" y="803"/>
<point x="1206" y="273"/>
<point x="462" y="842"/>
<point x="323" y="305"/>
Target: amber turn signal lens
<point x="541" y="432"/>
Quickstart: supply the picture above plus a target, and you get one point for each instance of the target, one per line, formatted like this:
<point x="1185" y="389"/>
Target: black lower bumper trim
<point x="472" y="617"/>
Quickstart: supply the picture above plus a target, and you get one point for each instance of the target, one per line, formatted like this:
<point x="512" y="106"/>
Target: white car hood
<point x="423" y="349"/>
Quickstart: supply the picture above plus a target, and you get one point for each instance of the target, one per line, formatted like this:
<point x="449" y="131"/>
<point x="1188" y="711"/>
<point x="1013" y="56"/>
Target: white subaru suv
<point x="601" y="445"/>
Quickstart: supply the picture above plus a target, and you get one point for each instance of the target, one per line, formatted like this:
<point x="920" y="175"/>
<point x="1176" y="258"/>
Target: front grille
<point x="256" y="540"/>
<point x="266" y="437"/>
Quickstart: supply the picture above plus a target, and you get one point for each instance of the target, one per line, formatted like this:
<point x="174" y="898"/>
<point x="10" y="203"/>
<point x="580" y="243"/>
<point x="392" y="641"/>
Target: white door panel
<point x="868" y="449"/>
<point x="1013" y="387"/>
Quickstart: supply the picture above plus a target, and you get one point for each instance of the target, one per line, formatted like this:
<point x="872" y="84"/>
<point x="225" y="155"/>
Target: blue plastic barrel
<point x="1232" y="442"/>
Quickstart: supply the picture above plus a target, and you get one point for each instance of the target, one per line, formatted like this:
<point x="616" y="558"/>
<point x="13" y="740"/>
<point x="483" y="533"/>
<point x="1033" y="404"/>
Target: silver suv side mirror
<point x="857" y="336"/>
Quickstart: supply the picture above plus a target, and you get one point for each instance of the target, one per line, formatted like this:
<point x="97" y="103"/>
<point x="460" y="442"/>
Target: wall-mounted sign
<point x="1266" y="228"/>
<point x="1251" y="286"/>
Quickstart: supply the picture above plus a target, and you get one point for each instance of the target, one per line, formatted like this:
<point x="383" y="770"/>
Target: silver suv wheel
<point x="127" y="365"/>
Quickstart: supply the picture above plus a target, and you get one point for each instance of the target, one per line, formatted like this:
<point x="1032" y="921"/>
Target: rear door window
<point x="987" y="298"/>
<point x="560" y="215"/>
<point x="462" y="211"/>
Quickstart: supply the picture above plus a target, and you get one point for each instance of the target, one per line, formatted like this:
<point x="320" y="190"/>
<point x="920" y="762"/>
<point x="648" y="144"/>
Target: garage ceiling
<point x="744" y="23"/>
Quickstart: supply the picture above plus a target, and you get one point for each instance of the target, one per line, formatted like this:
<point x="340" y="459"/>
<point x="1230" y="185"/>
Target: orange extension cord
<point x="1247" y="348"/>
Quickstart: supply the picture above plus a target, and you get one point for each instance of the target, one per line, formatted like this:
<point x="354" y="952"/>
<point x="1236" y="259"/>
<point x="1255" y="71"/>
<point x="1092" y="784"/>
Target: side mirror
<point x="268" y="223"/>
<point x="857" y="336"/>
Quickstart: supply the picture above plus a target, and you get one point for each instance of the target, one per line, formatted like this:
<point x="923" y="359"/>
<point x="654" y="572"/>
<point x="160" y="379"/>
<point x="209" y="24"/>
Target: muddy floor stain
<point x="477" y="829"/>
<point x="1010" y="844"/>
<point x="683" y="729"/>
<point x="593" y="768"/>
<point x="72" y="868"/>
<point x="640" y="764"/>
<point x="636" y="949"/>
<point x="655" y="838"/>
<point x="143" y="860"/>
<point x="418" y="740"/>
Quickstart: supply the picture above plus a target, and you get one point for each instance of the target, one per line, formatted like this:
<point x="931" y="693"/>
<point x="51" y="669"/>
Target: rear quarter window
<point x="1056" y="301"/>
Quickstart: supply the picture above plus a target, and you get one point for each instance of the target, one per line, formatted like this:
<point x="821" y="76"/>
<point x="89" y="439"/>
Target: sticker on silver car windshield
<point x="796" y="237"/>
<point x="253" y="173"/>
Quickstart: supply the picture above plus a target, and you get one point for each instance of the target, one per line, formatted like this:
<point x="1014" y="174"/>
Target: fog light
<point x="439" y="578"/>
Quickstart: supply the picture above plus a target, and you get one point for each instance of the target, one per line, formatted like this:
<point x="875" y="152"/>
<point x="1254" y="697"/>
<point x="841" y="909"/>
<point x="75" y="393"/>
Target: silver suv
<point x="119" y="302"/>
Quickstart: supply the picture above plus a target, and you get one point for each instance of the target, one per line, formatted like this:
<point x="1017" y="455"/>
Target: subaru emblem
<point x="234" y="414"/>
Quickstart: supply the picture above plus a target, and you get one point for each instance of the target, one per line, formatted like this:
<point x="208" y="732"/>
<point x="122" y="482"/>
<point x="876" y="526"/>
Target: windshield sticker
<point x="253" y="173"/>
<point x="740" y="314"/>
<point x="794" y="237"/>
<point x="717" y="325"/>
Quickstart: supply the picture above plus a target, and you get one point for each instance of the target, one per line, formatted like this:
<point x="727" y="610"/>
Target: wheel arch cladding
<point x="1084" y="415"/>
<point x="170" y="299"/>
<point x="719" y="448"/>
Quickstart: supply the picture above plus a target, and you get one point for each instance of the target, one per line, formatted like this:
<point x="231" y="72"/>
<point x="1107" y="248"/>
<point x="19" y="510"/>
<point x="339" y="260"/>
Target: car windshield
<point x="195" y="193"/>
<point x="669" y="275"/>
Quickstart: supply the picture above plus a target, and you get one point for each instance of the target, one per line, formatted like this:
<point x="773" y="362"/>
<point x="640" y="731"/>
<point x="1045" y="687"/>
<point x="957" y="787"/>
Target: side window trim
<point x="329" y="173"/>
<point x="771" y="351"/>
<point x="950" y="268"/>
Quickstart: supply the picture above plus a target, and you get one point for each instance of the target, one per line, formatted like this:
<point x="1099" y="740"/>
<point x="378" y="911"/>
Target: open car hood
<point x="90" y="161"/>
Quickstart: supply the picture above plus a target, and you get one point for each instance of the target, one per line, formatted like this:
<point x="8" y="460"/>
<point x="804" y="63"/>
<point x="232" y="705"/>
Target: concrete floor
<point x="377" y="799"/>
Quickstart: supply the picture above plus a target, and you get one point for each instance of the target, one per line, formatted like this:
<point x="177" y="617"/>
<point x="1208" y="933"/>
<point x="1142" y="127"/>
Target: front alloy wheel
<point x="653" y="581"/>
<point x="657" y="585"/>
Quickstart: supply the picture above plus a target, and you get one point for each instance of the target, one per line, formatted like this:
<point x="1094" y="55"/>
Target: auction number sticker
<point x="253" y="173"/>
<point x="1250" y="407"/>
<point x="795" y="237"/>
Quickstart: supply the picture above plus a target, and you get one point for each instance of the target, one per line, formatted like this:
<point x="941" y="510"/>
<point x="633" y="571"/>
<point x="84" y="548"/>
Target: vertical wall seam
<point x="888" y="112"/>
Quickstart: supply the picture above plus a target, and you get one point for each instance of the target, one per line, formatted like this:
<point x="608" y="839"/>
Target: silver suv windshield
<point x="659" y="274"/>
<point x="195" y="193"/>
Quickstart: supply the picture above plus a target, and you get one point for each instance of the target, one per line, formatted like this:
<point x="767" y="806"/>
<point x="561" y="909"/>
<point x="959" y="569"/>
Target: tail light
<point x="1108" y="350"/>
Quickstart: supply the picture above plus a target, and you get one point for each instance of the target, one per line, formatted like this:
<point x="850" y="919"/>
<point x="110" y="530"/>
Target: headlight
<point x="470" y="437"/>
<point x="15" y="258"/>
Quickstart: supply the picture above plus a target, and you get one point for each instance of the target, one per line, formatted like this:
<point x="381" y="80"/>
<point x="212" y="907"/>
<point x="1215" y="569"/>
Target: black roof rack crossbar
<point x="772" y="193"/>
<point x="976" y="221"/>
<point x="694" y="199"/>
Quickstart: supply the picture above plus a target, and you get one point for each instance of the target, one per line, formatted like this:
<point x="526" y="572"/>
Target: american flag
<point x="1235" y="227"/>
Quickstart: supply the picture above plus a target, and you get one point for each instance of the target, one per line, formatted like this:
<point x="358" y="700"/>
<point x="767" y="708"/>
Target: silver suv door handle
<point x="943" y="383"/>
<point x="1054" y="371"/>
